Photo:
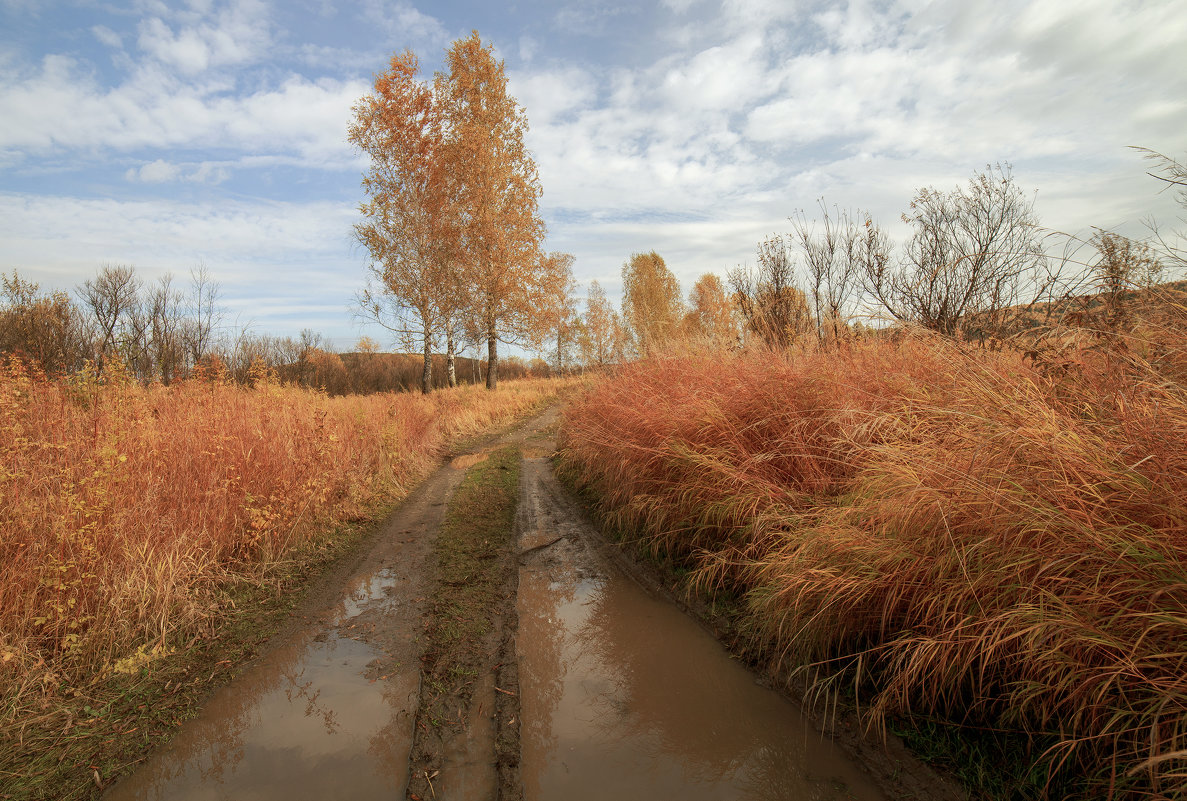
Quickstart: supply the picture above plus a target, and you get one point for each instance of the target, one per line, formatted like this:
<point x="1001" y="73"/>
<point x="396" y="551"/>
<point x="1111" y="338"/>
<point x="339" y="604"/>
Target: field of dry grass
<point x="124" y="509"/>
<point x="973" y="536"/>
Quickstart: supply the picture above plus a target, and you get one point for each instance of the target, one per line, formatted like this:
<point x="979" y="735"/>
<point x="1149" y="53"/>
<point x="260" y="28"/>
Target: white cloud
<point x="165" y="234"/>
<point x="209" y="172"/>
<point x="107" y="36"/>
<point x="262" y="253"/>
<point x="151" y="109"/>
<point x="588" y="17"/>
<point x="751" y="14"/>
<point x="732" y="115"/>
<point x="551" y="94"/>
<point x="239" y="33"/>
<point x="402" y="19"/>
<point x="161" y="171"/>
<point x="768" y="105"/>
<point x="340" y="59"/>
<point x="724" y="78"/>
<point x="527" y="48"/>
<point x="156" y="172"/>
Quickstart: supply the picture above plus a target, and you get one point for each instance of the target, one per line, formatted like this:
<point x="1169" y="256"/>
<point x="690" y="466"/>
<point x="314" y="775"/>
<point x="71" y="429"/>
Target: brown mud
<point x="627" y="695"/>
<point x="329" y="708"/>
<point x="587" y="680"/>
<point x="469" y="642"/>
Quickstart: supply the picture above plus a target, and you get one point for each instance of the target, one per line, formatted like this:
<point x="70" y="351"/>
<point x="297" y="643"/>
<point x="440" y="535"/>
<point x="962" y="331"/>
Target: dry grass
<point x="125" y="509"/>
<point x="991" y="539"/>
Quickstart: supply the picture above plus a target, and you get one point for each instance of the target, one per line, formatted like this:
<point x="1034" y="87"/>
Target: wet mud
<point x="328" y="710"/>
<point x="625" y="696"/>
<point x="591" y="685"/>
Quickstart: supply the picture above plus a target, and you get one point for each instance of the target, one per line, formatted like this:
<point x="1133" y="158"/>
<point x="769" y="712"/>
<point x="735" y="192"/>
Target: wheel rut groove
<point x="488" y="643"/>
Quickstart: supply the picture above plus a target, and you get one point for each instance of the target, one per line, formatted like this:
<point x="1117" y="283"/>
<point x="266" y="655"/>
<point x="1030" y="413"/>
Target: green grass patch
<point x="991" y="764"/>
<point x="472" y="546"/>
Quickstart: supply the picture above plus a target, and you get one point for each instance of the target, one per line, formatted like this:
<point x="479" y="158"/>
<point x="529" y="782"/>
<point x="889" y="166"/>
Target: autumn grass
<point x="965" y="538"/>
<point x="134" y="520"/>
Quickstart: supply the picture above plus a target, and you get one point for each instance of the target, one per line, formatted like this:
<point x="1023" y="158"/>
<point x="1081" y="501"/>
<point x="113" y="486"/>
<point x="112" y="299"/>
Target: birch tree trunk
<point x="426" y="377"/>
<point x="450" y="360"/>
<point x="492" y="356"/>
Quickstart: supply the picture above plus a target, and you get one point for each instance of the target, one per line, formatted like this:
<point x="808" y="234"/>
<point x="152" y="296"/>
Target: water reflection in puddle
<point x="304" y="724"/>
<point x="624" y="696"/>
<point x="366" y="591"/>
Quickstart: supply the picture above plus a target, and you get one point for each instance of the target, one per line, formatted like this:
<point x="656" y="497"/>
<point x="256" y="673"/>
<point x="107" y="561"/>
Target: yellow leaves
<point x="651" y="302"/>
<point x="141" y="658"/>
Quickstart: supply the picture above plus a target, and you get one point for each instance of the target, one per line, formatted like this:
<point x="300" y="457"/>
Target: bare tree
<point x="135" y="338"/>
<point x="110" y="297"/>
<point x="833" y="257"/>
<point x="971" y="252"/>
<point x="204" y="317"/>
<point x="166" y="322"/>
<point x="773" y="307"/>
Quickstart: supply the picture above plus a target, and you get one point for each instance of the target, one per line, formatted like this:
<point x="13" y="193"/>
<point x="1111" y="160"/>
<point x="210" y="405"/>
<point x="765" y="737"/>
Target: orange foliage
<point x="123" y="508"/>
<point x="958" y="532"/>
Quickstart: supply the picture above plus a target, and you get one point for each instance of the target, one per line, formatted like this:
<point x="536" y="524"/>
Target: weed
<point x="962" y="535"/>
<point x="136" y="522"/>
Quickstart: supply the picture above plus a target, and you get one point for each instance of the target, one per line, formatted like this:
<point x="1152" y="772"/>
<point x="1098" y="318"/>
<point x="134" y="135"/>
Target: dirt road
<point x="585" y="682"/>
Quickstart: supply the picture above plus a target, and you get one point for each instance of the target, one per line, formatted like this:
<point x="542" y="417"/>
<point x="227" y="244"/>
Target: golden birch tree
<point x="712" y="317"/>
<point x="560" y="313"/>
<point x="601" y="333"/>
<point x="497" y="189"/>
<point x="409" y="224"/>
<point x="651" y="307"/>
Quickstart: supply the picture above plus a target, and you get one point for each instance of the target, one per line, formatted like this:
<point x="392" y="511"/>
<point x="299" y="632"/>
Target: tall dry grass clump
<point x="125" y="509"/>
<point x="996" y="540"/>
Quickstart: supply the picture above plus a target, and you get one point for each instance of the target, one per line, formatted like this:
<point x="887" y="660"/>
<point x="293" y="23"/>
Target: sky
<point x="173" y="135"/>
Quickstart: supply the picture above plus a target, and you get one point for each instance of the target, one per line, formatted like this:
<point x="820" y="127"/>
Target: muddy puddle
<point x="620" y="694"/>
<point x="308" y="723"/>
<point x="327" y="714"/>
<point x="624" y="696"/>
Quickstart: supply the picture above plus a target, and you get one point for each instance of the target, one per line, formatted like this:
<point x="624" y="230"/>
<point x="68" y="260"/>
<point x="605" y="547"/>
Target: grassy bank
<point x="957" y="535"/>
<point x="474" y="588"/>
<point x="471" y="553"/>
<point x="139" y="525"/>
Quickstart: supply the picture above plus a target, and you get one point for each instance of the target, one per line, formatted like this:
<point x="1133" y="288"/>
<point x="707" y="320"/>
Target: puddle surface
<point x="306" y="723"/>
<point x="319" y="717"/>
<point x="365" y="592"/>
<point x="625" y="697"/>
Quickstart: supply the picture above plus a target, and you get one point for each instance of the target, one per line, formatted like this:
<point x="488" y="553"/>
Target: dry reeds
<point x="123" y="509"/>
<point x="997" y="540"/>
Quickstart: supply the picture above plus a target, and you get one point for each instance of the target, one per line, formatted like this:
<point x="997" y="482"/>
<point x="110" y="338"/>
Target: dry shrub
<point x="124" y="509"/>
<point x="958" y="532"/>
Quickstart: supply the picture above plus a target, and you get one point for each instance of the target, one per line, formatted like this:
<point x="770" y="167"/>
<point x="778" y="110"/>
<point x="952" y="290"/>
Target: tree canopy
<point x="451" y="222"/>
<point x="651" y="306"/>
